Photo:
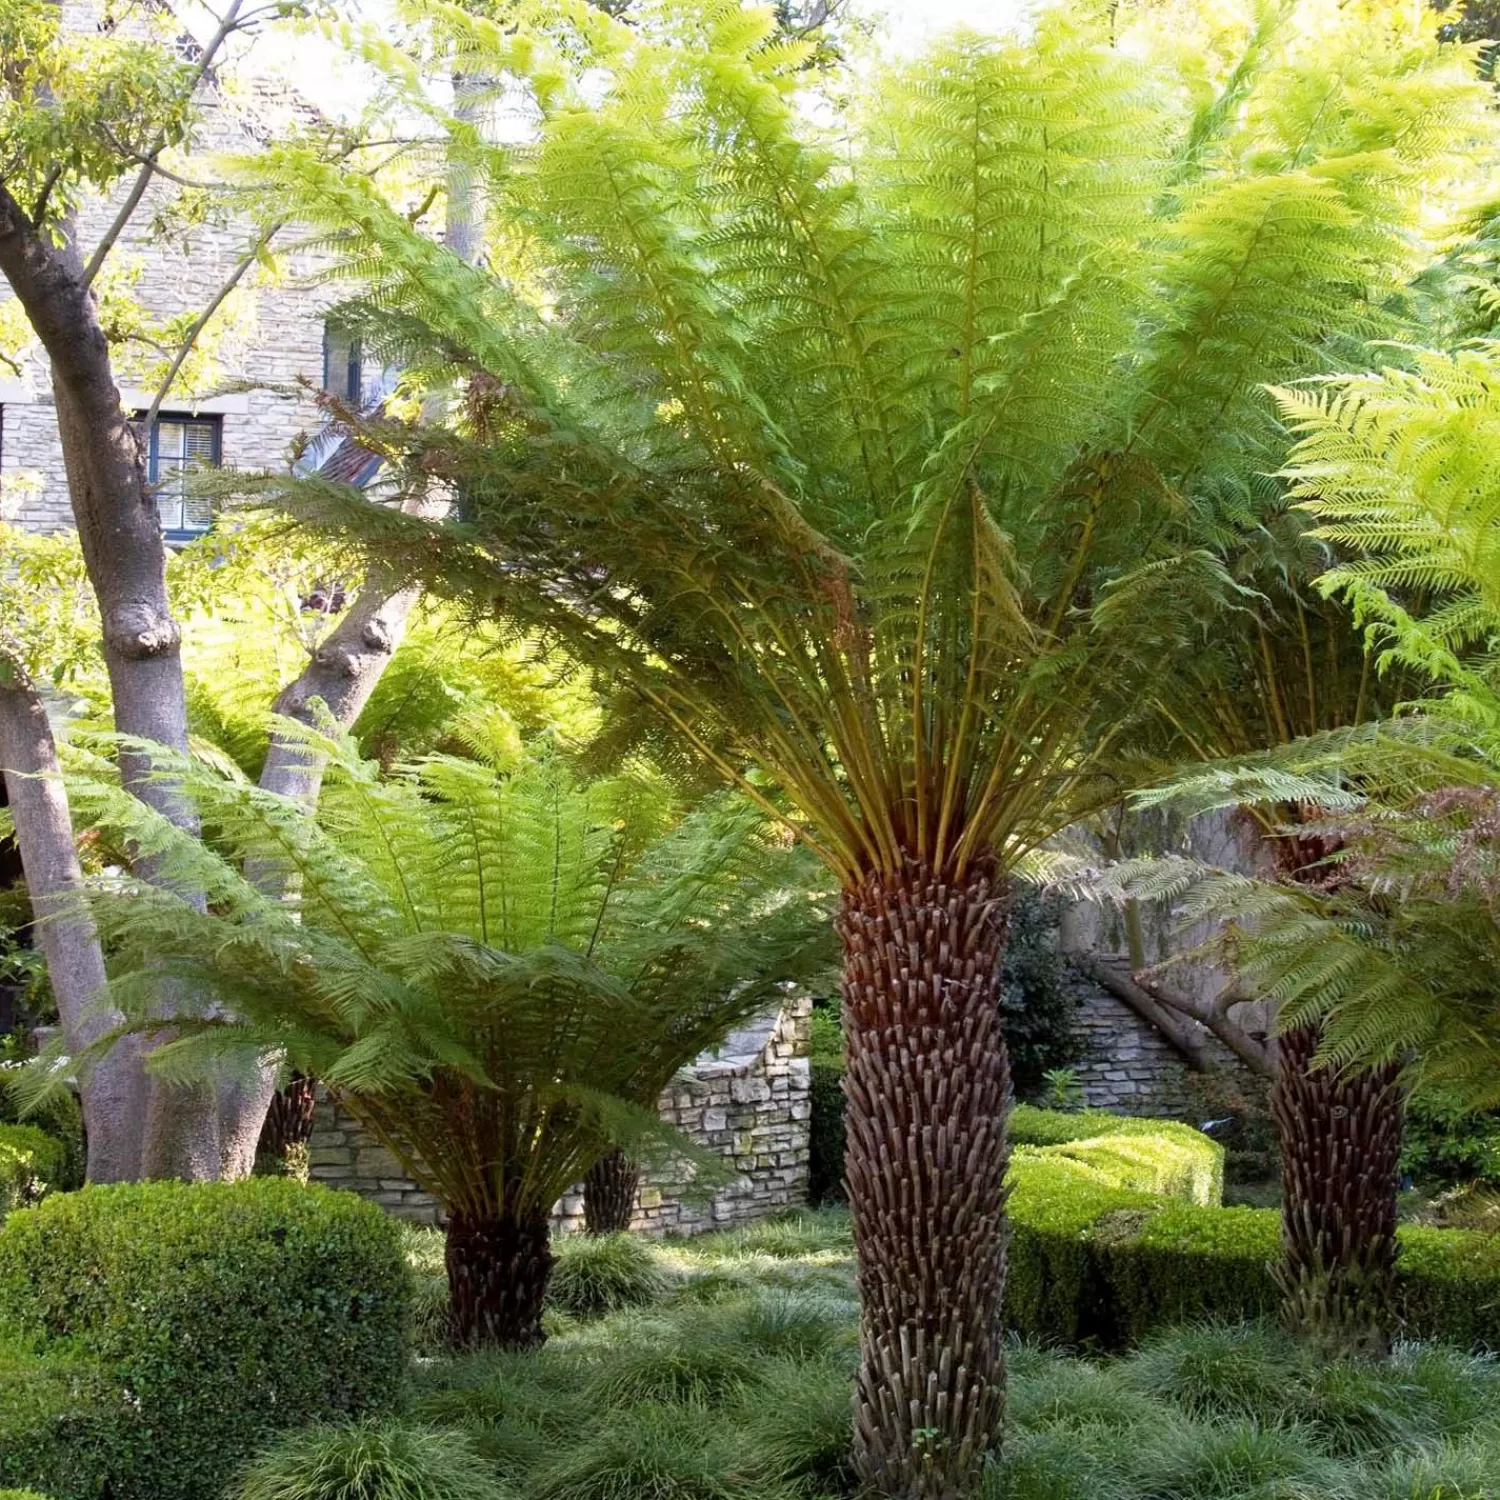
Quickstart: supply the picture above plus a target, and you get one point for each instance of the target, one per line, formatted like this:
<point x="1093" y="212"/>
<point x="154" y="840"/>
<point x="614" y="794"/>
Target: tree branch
<point x="227" y="27"/>
<point x="1259" y="1057"/>
<point x="1124" y="988"/>
<point x="203" y="319"/>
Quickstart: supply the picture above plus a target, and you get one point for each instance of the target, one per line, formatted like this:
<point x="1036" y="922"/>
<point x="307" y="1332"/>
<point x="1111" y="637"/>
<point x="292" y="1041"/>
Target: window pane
<point x="179" y="446"/>
<point x="341" y="363"/>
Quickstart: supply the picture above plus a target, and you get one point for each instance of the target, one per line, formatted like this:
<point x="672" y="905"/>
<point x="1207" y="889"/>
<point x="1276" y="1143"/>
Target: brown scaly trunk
<point x="288" y="1127"/>
<point x="927" y="1091"/>
<point x="609" y="1194"/>
<point x="498" y="1267"/>
<point x="1340" y="1140"/>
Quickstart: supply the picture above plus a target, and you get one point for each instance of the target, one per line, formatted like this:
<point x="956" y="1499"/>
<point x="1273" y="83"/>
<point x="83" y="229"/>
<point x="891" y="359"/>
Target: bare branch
<point x="203" y="319"/>
<point x="1184" y="1039"/>
<point x="1258" y="1056"/>
<point x="227" y="27"/>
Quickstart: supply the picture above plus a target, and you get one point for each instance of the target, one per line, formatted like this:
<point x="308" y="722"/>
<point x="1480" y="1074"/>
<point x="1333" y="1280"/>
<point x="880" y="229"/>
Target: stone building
<point x="244" y="401"/>
<point x="748" y="1100"/>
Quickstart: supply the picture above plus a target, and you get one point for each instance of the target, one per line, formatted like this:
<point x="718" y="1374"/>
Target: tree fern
<point x="879" y="450"/>
<point x="497" y="971"/>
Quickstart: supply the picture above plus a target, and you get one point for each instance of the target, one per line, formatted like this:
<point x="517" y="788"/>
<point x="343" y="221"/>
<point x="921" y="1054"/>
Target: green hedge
<point x="217" y="1314"/>
<point x="1103" y="1266"/>
<point x="1149" y="1156"/>
<point x="59" y="1422"/>
<point x="31" y="1163"/>
<point x="825" y="1173"/>
<point x="1155" y="1156"/>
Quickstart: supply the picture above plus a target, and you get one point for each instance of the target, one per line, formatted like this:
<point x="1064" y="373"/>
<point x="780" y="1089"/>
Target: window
<point x="343" y="375"/>
<point x="179" y="445"/>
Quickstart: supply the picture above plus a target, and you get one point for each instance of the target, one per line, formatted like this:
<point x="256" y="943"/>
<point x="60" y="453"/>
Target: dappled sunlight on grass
<point x="726" y="1373"/>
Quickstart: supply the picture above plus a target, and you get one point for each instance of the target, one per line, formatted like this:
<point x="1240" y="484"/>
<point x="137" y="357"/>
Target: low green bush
<point x="60" y="1422"/>
<point x="603" y="1273"/>
<point x="1104" y="1266"/>
<point x="371" y="1461"/>
<point x="221" y="1312"/>
<point x="32" y="1163"/>
<point x="21" y="1495"/>
<point x="58" y="1114"/>
<point x="1446" y="1144"/>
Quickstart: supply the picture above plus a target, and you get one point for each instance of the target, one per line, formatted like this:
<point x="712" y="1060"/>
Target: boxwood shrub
<point x="216" y="1314"/>
<point x="59" y="1422"/>
<point x="1102" y="1266"/>
<point x="31" y="1163"/>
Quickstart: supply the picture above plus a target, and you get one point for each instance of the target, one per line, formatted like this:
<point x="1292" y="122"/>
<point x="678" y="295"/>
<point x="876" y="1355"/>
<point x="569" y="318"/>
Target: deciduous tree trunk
<point x="123" y="552"/>
<point x="609" y="1194"/>
<point x="113" y="1091"/>
<point x="1340" y="1140"/>
<point x="330" y="691"/>
<point x="927" y="1090"/>
<point x="498" y="1267"/>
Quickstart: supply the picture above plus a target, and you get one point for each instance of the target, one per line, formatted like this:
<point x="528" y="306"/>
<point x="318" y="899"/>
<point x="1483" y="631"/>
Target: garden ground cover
<point x="721" y="1369"/>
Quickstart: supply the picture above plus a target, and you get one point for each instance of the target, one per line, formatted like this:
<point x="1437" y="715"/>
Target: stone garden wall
<point x="749" y="1101"/>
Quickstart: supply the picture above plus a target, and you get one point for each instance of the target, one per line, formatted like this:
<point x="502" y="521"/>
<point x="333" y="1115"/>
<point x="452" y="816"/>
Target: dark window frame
<point x="214" y="422"/>
<point x="350" y="386"/>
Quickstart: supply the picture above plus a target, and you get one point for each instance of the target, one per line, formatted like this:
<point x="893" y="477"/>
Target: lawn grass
<point x="721" y="1368"/>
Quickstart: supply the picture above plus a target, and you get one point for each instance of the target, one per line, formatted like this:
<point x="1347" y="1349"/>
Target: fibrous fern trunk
<point x="282" y="1148"/>
<point x="498" y="1266"/>
<point x="609" y="1194"/>
<point x="927" y="1092"/>
<point x="1340" y="1139"/>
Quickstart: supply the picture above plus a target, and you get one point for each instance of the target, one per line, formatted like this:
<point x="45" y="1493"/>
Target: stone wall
<point x="1125" y="1064"/>
<point x="748" y="1101"/>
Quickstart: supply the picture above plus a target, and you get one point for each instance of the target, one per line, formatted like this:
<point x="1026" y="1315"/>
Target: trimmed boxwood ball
<point x="226" y="1311"/>
<point x="371" y="1461"/>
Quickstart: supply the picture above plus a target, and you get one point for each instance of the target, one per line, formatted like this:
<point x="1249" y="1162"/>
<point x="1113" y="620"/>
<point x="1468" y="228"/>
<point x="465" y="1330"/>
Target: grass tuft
<point x="664" y="1362"/>
<point x="1230" y="1461"/>
<point x="1071" y="1393"/>
<point x="650" y="1453"/>
<point x="605" y="1273"/>
<point x="371" y="1461"/>
<point x="797" y="1427"/>
<point x="1215" y="1370"/>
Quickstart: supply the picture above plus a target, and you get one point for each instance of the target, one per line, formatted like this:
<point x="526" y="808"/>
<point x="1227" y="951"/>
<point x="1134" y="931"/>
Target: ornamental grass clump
<point x="594" y="1274"/>
<point x="371" y="1461"/>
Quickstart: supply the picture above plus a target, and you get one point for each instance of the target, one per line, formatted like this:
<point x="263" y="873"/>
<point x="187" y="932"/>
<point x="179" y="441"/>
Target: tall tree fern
<point x="495" y="972"/>
<point x="880" y="457"/>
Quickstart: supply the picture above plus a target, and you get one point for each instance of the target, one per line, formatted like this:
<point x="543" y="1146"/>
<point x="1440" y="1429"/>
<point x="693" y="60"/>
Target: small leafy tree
<point x="91" y="111"/>
<point x="877" y="459"/>
<point x="495" y="971"/>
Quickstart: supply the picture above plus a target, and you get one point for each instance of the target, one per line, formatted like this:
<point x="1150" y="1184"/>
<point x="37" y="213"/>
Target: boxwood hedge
<point x="197" y="1321"/>
<point x="1101" y="1265"/>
